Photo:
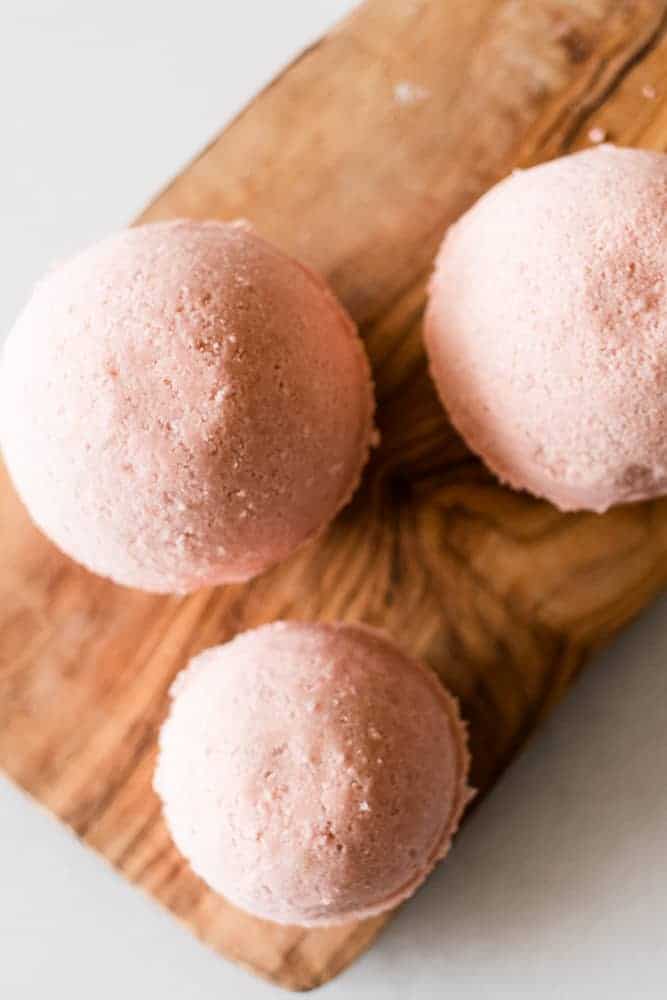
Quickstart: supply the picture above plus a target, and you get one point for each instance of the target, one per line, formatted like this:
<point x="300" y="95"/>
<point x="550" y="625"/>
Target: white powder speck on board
<point x="648" y="91"/>
<point x="406" y="92"/>
<point x="597" y="134"/>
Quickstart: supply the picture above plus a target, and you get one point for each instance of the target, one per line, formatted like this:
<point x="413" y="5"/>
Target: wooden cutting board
<point x="356" y="159"/>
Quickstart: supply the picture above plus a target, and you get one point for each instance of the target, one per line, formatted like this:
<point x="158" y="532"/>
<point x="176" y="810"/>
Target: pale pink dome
<point x="183" y="404"/>
<point x="312" y="774"/>
<point x="547" y="328"/>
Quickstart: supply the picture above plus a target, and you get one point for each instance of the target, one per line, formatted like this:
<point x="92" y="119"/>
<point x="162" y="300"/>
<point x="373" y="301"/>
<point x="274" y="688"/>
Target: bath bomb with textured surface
<point x="547" y="328"/>
<point x="312" y="774"/>
<point x="183" y="404"/>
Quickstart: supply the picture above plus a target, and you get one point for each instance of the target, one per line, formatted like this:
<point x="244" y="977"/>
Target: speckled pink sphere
<point x="183" y="405"/>
<point x="312" y="774"/>
<point x="547" y="328"/>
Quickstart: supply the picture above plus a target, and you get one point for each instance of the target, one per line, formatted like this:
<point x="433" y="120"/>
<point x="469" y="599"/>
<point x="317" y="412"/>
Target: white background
<point x="557" y="887"/>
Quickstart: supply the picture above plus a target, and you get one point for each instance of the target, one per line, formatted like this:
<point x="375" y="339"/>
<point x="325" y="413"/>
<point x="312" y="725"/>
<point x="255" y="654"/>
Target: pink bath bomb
<point x="312" y="774"/>
<point x="183" y="405"/>
<point x="546" y="328"/>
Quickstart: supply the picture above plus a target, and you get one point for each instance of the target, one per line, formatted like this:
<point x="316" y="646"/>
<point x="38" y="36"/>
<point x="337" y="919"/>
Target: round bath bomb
<point x="312" y="774"/>
<point x="547" y="328"/>
<point x="183" y="404"/>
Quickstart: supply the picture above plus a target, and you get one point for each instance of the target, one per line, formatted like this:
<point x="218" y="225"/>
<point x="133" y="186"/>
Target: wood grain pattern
<point x="504" y="596"/>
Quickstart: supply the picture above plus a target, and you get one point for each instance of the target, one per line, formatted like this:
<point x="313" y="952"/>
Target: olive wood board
<point x="356" y="159"/>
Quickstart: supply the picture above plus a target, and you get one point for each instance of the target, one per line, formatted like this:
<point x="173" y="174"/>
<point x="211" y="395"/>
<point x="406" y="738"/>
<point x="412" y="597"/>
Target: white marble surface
<point x="557" y="888"/>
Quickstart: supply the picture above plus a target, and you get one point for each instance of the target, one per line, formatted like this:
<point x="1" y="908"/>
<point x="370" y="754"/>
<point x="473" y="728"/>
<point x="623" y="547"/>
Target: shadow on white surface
<point x="556" y="887"/>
